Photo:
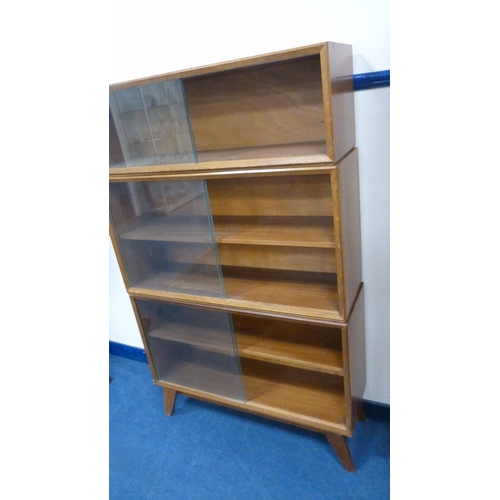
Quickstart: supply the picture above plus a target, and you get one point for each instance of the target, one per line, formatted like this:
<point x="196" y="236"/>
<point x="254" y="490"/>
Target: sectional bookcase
<point x="234" y="215"/>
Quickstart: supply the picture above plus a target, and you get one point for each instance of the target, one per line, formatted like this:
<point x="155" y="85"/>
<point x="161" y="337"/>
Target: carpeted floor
<point x="204" y="451"/>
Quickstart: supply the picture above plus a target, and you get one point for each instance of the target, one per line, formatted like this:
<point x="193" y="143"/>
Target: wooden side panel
<point x="355" y="359"/>
<point x="350" y="229"/>
<point x="338" y="90"/>
<point x="357" y="354"/>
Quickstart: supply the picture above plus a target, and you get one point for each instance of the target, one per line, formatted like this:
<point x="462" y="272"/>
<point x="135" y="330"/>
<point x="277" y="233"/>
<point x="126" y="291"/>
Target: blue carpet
<point x="204" y="451"/>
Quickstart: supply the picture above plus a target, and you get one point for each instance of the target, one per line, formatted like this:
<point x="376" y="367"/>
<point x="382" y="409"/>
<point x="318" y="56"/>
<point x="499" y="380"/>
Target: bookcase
<point x="234" y="215"/>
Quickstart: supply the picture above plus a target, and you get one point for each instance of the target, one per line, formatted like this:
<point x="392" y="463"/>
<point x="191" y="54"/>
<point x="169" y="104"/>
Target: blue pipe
<point x="374" y="80"/>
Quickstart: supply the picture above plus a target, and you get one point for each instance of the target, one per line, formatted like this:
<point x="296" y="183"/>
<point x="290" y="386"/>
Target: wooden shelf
<point x="198" y="279"/>
<point x="299" y="402"/>
<point x="315" y="232"/>
<point x="289" y="353"/>
<point x="182" y="229"/>
<point x="305" y="290"/>
<point x="310" y="402"/>
<point x="294" y="392"/>
<point x="257" y="338"/>
<point x="301" y="153"/>
<point x="197" y="336"/>
<point x="309" y="232"/>
<point x="295" y="295"/>
<point x="207" y="379"/>
<point x="301" y="345"/>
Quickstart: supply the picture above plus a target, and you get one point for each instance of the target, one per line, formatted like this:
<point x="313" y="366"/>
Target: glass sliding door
<point x="149" y="125"/>
<point x="192" y="348"/>
<point x="165" y="234"/>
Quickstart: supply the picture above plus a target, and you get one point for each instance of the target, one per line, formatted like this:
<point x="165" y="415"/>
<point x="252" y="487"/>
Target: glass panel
<point x="165" y="235"/>
<point x="149" y="125"/>
<point x="193" y="348"/>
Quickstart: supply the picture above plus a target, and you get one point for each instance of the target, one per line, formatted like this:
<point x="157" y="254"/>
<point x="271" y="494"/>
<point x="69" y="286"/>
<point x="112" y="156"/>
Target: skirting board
<point x="373" y="410"/>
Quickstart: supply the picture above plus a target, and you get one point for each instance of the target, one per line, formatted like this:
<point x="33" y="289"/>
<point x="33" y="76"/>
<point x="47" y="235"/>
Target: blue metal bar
<point x="375" y="80"/>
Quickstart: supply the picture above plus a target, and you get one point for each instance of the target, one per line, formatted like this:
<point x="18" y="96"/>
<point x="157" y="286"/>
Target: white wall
<point x="154" y="36"/>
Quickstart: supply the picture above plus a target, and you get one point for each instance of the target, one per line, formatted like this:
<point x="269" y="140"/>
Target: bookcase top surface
<point x="283" y="55"/>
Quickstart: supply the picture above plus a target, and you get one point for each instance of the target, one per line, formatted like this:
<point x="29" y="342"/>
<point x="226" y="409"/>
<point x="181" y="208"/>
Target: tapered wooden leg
<point x="340" y="447"/>
<point x="169" y="400"/>
<point x="360" y="411"/>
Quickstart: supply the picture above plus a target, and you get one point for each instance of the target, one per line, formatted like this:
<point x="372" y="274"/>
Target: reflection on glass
<point x="150" y="126"/>
<point x="193" y="348"/>
<point x="165" y="234"/>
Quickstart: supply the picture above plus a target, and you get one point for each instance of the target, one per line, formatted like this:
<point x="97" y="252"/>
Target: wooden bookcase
<point x="234" y="214"/>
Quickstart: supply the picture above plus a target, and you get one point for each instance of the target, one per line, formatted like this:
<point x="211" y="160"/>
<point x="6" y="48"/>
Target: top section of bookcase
<point x="293" y="107"/>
